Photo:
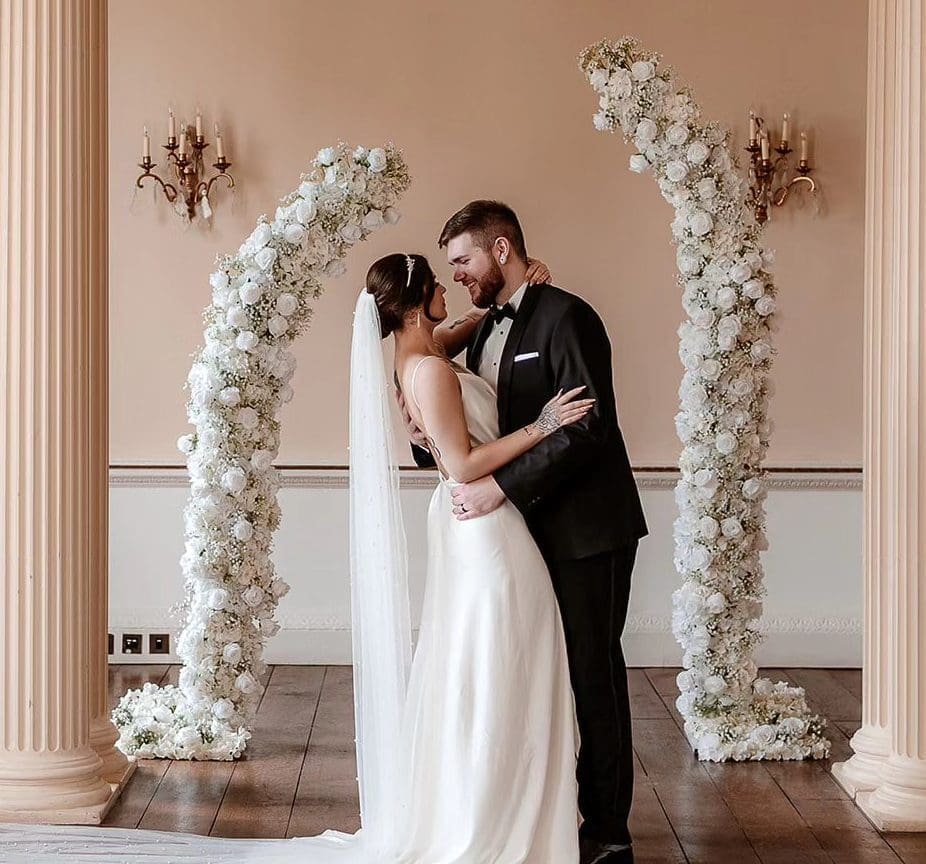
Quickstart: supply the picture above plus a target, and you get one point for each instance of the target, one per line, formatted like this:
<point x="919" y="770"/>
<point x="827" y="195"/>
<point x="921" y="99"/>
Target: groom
<point x="575" y="490"/>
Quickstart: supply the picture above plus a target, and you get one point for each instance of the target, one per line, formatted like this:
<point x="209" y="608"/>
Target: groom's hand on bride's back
<point x="471" y="500"/>
<point x="415" y="435"/>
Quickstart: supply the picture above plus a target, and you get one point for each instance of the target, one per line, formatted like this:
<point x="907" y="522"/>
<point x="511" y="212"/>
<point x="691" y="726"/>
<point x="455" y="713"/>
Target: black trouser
<point x="593" y="594"/>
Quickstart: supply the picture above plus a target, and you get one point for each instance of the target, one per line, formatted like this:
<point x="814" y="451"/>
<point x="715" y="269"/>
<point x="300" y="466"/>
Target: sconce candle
<point x="185" y="161"/>
<point x="769" y="181"/>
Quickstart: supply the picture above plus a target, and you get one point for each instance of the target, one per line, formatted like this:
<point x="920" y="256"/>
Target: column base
<point x="899" y="803"/>
<point x="864" y="771"/>
<point x="103" y="738"/>
<point x="51" y="784"/>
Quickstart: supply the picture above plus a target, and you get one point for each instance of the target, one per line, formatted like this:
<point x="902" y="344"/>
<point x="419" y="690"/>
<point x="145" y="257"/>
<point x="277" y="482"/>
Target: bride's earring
<point x="418" y="324"/>
<point x="503" y="259"/>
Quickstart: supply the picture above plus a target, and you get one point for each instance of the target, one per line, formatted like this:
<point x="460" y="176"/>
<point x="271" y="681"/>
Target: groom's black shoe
<point x="593" y="852"/>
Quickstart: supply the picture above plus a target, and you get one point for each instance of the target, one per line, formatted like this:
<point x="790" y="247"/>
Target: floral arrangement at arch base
<point x="726" y="349"/>
<point x="261" y="301"/>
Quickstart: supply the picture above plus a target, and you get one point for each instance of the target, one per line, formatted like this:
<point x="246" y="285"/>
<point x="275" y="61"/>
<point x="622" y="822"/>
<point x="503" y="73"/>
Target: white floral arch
<point x="726" y="349"/>
<point x="261" y="302"/>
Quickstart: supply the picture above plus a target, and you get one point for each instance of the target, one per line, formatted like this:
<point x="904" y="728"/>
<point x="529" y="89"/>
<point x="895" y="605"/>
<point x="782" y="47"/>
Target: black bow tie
<point x="499" y="312"/>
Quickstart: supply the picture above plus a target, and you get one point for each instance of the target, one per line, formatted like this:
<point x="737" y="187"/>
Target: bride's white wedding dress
<point x="488" y="733"/>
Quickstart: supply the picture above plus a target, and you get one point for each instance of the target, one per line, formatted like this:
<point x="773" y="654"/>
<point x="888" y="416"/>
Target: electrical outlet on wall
<point x="141" y="645"/>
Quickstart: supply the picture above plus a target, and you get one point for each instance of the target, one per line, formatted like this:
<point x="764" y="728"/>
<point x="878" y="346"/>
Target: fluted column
<point x="871" y="744"/>
<point x="50" y="53"/>
<point x="103" y="734"/>
<point x="899" y="802"/>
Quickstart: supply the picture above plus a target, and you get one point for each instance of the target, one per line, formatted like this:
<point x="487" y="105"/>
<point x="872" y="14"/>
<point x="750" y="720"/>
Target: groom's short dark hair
<point x="486" y="221"/>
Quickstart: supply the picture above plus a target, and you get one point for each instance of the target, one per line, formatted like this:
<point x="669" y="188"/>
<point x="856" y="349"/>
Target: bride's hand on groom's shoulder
<point x="478" y="498"/>
<point x="537" y="272"/>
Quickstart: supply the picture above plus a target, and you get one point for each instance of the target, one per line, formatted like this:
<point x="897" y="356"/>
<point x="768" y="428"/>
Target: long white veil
<point x="382" y="642"/>
<point x="382" y="650"/>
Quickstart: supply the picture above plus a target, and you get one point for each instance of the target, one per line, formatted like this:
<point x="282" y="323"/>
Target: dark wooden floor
<point x="298" y="778"/>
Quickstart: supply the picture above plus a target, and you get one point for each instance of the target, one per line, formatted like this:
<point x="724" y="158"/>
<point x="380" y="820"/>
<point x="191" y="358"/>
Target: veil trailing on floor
<point x="382" y="651"/>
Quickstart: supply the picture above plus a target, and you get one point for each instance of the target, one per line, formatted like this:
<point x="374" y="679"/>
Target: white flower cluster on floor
<point x="726" y="349"/>
<point x="261" y="300"/>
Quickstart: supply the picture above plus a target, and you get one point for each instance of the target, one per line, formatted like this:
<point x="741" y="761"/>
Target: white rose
<point x="726" y="341"/>
<point x="265" y="258"/>
<point x="715" y="685"/>
<point x="751" y="488"/>
<point x="246" y="340"/>
<point x="377" y="160"/>
<point x="716" y="603"/>
<point x="741" y="386"/>
<point x="600" y="121"/>
<point x="360" y="153"/>
<point x="391" y="216"/>
<point x="306" y="211"/>
<point x="253" y="596"/>
<point x="234" y="479"/>
<point x="599" y="79"/>
<point x="700" y="223"/>
<point x="642" y="70"/>
<point x="703" y="317"/>
<point x="725" y="443"/>
<point x="293" y="233"/>
<point x="261" y="460"/>
<point x="726" y="297"/>
<point x="638" y="163"/>
<point x="676" y="171"/>
<point x="763" y="687"/>
<point x="709" y="743"/>
<point x="230" y="396"/>
<point x="224" y="709"/>
<point x="277" y="325"/>
<point x="188" y="737"/>
<point x="246" y="683"/>
<point x="685" y="703"/>
<point x="309" y="190"/>
<point x="711" y="369"/>
<point x="218" y="598"/>
<point x="336" y="268"/>
<point x="331" y="175"/>
<point x="698" y="152"/>
<point x="740" y="272"/>
<point x="260" y="236"/>
<point x="373" y="220"/>
<point x="707" y="188"/>
<point x="646" y="131"/>
<point x="279" y="588"/>
<point x="326" y="156"/>
<point x="794" y="726"/>
<point x="219" y="280"/>
<point x="231" y="653"/>
<point x="753" y="289"/>
<point x="352" y="232"/>
<point x="186" y="444"/>
<point x="250" y="293"/>
<point x="248" y="418"/>
<point x="765" y="305"/>
<point x="286" y="304"/>
<point x="286" y="393"/>
<point x="677" y="134"/>
<point x="762" y="736"/>
<point x="243" y="530"/>
<point x="760" y="350"/>
<point x="730" y="324"/>
<point x="732" y="528"/>
<point x="708" y="527"/>
<point x="236" y="317"/>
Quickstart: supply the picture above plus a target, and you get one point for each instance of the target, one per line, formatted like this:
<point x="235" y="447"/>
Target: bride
<point x="467" y="753"/>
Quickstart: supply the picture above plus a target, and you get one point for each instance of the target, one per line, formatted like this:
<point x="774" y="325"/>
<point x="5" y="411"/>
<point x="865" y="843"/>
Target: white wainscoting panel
<point x="813" y="610"/>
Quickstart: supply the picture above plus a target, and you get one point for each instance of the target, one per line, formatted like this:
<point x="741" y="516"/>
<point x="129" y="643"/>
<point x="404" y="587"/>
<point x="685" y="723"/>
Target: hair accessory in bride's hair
<point x="410" y="263"/>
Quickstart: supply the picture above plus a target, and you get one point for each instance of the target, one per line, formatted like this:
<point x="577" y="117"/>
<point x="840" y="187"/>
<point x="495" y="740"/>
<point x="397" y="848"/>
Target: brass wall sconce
<point x="185" y="162"/>
<point x="769" y="179"/>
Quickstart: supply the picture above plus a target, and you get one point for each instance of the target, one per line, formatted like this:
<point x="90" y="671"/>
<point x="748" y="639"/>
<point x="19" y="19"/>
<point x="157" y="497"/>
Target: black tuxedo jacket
<point x="575" y="488"/>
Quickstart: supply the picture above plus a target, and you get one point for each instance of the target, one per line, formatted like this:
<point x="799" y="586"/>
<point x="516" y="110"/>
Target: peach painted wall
<point x="486" y="100"/>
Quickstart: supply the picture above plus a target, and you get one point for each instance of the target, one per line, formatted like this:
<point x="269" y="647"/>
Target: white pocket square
<point x="519" y="357"/>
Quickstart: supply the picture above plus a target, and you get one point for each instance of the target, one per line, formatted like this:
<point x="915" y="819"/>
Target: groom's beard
<point x="487" y="288"/>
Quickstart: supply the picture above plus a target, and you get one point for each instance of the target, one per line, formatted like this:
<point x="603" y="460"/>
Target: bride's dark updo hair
<point x="395" y="294"/>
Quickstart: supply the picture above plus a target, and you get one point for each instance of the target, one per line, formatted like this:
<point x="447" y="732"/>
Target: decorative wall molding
<point x="336" y="477"/>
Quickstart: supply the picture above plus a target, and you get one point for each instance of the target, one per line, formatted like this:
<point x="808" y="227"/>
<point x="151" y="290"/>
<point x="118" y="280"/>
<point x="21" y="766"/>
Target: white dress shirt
<point x="495" y="343"/>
